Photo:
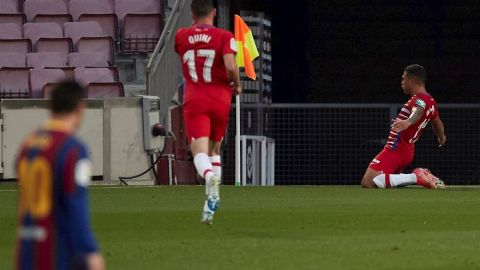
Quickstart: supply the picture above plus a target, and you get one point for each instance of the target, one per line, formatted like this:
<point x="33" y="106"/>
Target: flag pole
<point x="246" y="53"/>
<point x="237" y="141"/>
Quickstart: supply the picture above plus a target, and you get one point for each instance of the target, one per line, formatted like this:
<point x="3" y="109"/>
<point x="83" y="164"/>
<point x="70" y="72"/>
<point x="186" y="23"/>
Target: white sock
<point x="217" y="165"/>
<point x="203" y="166"/>
<point x="395" y="180"/>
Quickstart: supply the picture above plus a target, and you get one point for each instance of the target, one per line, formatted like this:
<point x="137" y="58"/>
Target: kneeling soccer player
<point x="385" y="169"/>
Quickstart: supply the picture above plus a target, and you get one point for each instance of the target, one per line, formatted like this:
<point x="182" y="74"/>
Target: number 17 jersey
<point x="201" y="49"/>
<point x="405" y="140"/>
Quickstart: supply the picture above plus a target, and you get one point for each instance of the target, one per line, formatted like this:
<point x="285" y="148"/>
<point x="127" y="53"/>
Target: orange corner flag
<point x="246" y="48"/>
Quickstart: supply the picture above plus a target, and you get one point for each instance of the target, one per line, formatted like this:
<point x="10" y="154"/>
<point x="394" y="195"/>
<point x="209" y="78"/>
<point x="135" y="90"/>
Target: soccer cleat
<point x="207" y="218"/>
<point x="426" y="179"/>
<point x="212" y="189"/>
<point x="213" y="202"/>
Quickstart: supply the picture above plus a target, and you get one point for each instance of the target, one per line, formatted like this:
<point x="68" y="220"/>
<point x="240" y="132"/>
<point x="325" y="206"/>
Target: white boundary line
<point x="294" y="186"/>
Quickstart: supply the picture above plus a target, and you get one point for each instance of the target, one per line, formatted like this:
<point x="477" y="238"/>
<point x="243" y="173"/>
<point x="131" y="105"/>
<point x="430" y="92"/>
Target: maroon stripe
<point x="205" y="173"/>
<point x="218" y="164"/>
<point x="69" y="173"/>
<point x="387" y="181"/>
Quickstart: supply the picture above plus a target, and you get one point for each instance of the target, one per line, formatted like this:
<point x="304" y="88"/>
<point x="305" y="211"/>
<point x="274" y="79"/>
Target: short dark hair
<point x="417" y="71"/>
<point x="66" y="96"/>
<point x="201" y="8"/>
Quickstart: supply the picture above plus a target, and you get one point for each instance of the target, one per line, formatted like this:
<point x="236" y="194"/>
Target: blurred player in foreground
<point x="54" y="170"/>
<point x="385" y="169"/>
<point x="211" y="75"/>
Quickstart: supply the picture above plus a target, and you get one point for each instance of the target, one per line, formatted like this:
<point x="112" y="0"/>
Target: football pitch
<point x="279" y="227"/>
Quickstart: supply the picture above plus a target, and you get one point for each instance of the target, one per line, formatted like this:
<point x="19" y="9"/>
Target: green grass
<point x="278" y="228"/>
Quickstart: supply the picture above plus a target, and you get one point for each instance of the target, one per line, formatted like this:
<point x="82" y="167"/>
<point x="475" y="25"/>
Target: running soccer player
<point x="53" y="170"/>
<point x="385" y="169"/>
<point x="211" y="75"/>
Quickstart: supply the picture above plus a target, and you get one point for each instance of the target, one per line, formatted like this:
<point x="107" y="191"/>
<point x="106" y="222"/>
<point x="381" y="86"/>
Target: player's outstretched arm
<point x="401" y="125"/>
<point x="232" y="72"/>
<point x="439" y="131"/>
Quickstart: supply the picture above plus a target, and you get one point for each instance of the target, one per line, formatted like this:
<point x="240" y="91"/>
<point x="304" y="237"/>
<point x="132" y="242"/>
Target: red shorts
<point x="389" y="161"/>
<point x="206" y="120"/>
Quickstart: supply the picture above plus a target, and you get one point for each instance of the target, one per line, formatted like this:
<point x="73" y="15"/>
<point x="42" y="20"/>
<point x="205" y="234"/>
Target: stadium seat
<point x="63" y="45"/>
<point x="47" y="37"/>
<point x="41" y="77"/>
<point x="69" y="71"/>
<point x="46" y="59"/>
<point x="133" y="17"/>
<point x="77" y="30"/>
<point x="14" y="82"/>
<point x="103" y="45"/>
<point x="18" y="19"/>
<point x="108" y="23"/>
<point x="89" y="37"/>
<point x="124" y="7"/>
<point x="96" y="75"/>
<point x="9" y="6"/>
<point x="11" y="39"/>
<point x="79" y="7"/>
<point x="138" y="38"/>
<point x="101" y="90"/>
<point x="10" y="31"/>
<point x="100" y="11"/>
<point x="59" y="19"/>
<point x="47" y="11"/>
<point x="12" y="60"/>
<point x="88" y="59"/>
<point x="15" y="45"/>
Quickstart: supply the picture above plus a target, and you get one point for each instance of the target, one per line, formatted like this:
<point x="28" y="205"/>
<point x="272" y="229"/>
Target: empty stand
<point x="89" y="37"/>
<point x="47" y="37"/>
<point x="72" y="39"/>
<point x="41" y="77"/>
<point x="15" y="45"/>
<point x="69" y="71"/>
<point x="137" y="37"/>
<point x="79" y="7"/>
<point x="12" y="60"/>
<point x="124" y="7"/>
<point x="133" y="17"/>
<point x="14" y="82"/>
<point x="10" y="31"/>
<point x="100" y="11"/>
<point x="8" y="6"/>
<point x="88" y="59"/>
<point x="46" y="59"/>
<point x="77" y="30"/>
<point x="17" y="18"/>
<point x="99" y="45"/>
<point x="47" y="11"/>
<point x="96" y="75"/>
<point x="35" y="31"/>
<point x="11" y="39"/>
<point x="102" y="90"/>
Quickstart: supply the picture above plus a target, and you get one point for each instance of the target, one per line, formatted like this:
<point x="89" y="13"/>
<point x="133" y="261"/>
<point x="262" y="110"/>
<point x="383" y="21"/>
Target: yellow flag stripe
<point x="240" y="58"/>
<point x="250" y="45"/>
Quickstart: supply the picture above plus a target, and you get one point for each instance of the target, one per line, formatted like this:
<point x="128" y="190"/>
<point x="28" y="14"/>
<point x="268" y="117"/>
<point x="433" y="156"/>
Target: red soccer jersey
<point x="201" y="49"/>
<point x="406" y="139"/>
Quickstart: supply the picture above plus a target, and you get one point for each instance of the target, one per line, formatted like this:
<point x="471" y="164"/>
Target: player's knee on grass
<point x="367" y="182"/>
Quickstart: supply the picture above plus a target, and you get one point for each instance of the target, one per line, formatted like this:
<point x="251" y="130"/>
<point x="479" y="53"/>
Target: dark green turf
<point x="279" y="228"/>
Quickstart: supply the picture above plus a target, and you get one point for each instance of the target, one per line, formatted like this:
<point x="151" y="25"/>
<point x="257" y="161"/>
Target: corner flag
<point x="246" y="48"/>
